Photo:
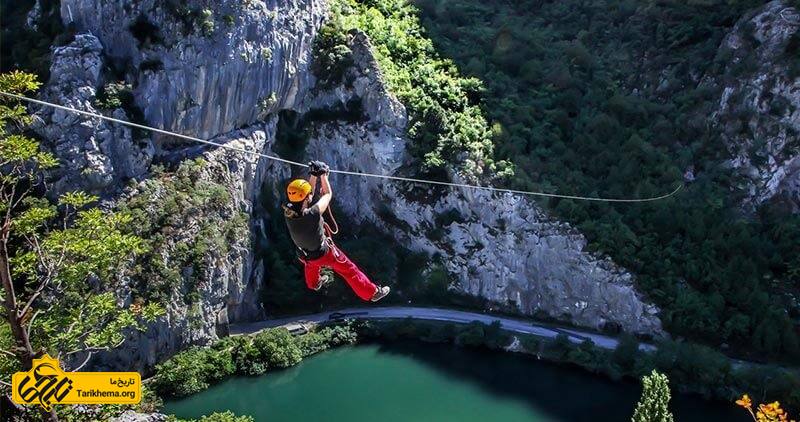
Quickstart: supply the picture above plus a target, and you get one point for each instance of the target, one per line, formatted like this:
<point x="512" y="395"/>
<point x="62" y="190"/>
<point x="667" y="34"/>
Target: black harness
<point x="310" y="255"/>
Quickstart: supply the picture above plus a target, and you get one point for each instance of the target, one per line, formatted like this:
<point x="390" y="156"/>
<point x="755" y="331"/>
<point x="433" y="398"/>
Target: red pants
<point x="341" y="264"/>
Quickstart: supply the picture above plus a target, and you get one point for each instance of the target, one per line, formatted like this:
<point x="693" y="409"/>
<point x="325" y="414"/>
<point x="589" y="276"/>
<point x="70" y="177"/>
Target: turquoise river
<point x="425" y="382"/>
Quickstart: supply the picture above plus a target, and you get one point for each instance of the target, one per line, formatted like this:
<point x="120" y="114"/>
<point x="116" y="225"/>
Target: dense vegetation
<point x="196" y="369"/>
<point x="164" y="207"/>
<point x="691" y="368"/>
<point x="445" y="123"/>
<point x="598" y="98"/>
<point x="61" y="262"/>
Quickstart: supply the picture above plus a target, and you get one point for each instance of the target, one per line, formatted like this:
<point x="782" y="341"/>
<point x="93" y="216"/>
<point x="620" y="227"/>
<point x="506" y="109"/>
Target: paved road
<point x="436" y="314"/>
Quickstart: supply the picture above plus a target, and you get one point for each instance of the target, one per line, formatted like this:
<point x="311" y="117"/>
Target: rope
<point x="335" y="231"/>
<point x="344" y="172"/>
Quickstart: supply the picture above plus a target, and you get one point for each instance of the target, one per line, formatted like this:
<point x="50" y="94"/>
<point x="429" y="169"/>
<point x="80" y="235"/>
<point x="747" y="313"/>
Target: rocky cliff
<point x="265" y="48"/>
<point x="222" y="70"/>
<point x="759" y="108"/>
<point x="205" y="68"/>
<point x="95" y="155"/>
<point x="500" y="247"/>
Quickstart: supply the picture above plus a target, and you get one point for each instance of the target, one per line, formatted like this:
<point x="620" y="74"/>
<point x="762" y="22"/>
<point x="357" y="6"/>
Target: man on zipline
<point x="315" y="248"/>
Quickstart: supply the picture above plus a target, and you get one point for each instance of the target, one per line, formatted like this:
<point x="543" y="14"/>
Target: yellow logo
<point x="46" y="384"/>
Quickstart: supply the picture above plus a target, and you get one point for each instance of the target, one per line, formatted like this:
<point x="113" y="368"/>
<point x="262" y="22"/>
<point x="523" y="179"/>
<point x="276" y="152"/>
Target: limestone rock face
<point x="101" y="157"/>
<point x="229" y="289"/>
<point x="217" y="75"/>
<point x="223" y="75"/>
<point x="499" y="247"/>
<point x="759" y="109"/>
<point x="95" y="156"/>
<point x="206" y="68"/>
<point x="34" y="15"/>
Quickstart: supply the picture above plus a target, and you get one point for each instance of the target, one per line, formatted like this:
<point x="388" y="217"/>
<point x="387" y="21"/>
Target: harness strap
<point x="330" y="231"/>
<point x="337" y="254"/>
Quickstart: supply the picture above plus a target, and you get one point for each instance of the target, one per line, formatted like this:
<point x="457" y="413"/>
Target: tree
<point x="278" y="348"/>
<point x="627" y="352"/>
<point x="654" y="404"/>
<point x="57" y="261"/>
<point x="226" y="416"/>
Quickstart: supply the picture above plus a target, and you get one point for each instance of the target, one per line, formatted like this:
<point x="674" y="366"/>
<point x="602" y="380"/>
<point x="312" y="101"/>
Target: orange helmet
<point x="298" y="190"/>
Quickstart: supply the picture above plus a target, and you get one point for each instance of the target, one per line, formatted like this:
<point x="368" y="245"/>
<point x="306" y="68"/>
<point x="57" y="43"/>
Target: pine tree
<point x="654" y="404"/>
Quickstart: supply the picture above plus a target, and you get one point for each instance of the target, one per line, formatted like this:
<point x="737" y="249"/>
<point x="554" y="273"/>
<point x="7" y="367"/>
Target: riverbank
<point x="515" y="323"/>
<point x="692" y="369"/>
<point x="196" y="369"/>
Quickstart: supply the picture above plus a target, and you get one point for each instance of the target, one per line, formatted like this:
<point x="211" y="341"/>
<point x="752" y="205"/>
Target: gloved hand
<point x="318" y="168"/>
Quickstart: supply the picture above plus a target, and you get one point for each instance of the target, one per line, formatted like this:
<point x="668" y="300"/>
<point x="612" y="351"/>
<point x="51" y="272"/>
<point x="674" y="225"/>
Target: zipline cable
<point x="345" y="172"/>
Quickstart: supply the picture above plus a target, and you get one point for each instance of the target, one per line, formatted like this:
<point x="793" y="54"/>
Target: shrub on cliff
<point x="114" y="95"/>
<point x="331" y="55"/>
<point x="196" y="369"/>
<point x="162" y="208"/>
<point x="192" y="371"/>
<point x="445" y="124"/>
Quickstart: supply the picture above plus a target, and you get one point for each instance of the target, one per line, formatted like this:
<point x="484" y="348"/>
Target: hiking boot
<point x="325" y="278"/>
<point x="380" y="293"/>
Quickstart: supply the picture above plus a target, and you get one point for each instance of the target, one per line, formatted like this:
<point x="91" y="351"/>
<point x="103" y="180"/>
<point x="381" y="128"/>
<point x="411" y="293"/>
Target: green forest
<point x="569" y="92"/>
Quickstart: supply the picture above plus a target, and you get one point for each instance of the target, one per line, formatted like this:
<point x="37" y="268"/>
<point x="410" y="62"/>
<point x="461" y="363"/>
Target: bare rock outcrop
<point x="95" y="156"/>
<point x="226" y="285"/>
<point x="131" y="416"/>
<point x="759" y="108"/>
<point x="207" y="68"/>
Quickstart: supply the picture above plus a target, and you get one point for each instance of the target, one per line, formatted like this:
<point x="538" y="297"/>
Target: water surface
<point x="424" y="382"/>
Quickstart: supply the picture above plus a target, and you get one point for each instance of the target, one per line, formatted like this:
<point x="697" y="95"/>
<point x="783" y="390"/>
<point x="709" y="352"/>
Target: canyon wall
<point x="222" y="71"/>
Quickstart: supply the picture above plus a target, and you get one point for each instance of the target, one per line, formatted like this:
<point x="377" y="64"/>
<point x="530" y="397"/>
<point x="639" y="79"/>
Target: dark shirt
<point x="307" y="230"/>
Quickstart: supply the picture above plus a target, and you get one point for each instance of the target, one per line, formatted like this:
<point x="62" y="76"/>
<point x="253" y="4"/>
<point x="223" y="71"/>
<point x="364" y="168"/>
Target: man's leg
<point x="357" y="281"/>
<point x="311" y="269"/>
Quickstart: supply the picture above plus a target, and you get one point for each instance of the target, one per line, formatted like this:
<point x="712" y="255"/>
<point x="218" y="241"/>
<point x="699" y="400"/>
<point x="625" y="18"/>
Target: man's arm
<point x="312" y="180"/>
<point x="326" y="192"/>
